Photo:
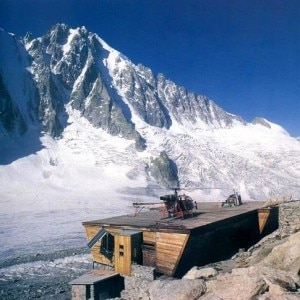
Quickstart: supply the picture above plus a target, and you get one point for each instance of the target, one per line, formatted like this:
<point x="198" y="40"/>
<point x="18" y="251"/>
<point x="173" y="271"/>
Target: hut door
<point x="122" y="255"/>
<point x="149" y="254"/>
<point x="148" y="247"/>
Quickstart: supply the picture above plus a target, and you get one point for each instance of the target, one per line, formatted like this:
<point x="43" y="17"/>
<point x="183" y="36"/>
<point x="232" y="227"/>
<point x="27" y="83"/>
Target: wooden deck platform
<point x="206" y="213"/>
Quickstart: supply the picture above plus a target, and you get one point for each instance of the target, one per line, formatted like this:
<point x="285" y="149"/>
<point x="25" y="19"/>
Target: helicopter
<point x="174" y="205"/>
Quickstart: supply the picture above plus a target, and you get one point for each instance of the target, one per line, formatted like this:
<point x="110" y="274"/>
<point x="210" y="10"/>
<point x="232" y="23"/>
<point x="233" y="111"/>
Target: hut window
<point x="150" y="246"/>
<point x="107" y="246"/>
<point x="121" y="250"/>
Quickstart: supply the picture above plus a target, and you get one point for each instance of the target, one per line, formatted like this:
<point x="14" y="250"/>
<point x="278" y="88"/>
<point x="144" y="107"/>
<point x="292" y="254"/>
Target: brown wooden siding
<point x="123" y="255"/>
<point x="91" y="231"/>
<point x="169" y="248"/>
<point x="127" y="250"/>
<point x="268" y="220"/>
<point x="149" y="237"/>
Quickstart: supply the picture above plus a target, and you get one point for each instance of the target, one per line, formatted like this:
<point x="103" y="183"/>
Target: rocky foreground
<point x="268" y="270"/>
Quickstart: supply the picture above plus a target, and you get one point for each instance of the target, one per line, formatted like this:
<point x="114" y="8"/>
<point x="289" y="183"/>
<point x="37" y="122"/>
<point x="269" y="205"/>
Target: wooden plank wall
<point x="149" y="237"/>
<point x="127" y="250"/>
<point x="166" y="254"/>
<point x="263" y="216"/>
<point x="268" y="219"/>
<point x="123" y="254"/>
<point x="91" y="231"/>
<point x="169" y="248"/>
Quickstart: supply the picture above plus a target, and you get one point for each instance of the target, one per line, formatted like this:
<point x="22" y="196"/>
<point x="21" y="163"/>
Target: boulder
<point x="270" y="296"/>
<point x="252" y="283"/>
<point x="278" y="281"/>
<point x="240" y="284"/>
<point x="196" y="273"/>
<point x="176" y="289"/>
<point x="286" y="256"/>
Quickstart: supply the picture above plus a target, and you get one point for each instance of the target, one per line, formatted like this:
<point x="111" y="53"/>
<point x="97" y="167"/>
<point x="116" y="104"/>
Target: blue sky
<point x="244" y="55"/>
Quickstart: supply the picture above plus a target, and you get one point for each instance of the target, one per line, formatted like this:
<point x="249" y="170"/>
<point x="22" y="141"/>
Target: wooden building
<point x="173" y="245"/>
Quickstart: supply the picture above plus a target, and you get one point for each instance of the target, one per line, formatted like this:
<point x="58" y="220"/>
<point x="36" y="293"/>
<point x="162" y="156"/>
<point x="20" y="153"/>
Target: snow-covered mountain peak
<point x="270" y="125"/>
<point x="87" y="109"/>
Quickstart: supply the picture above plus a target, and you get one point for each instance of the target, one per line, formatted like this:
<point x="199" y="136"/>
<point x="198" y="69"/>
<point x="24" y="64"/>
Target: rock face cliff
<point x="77" y="67"/>
<point x="70" y="76"/>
